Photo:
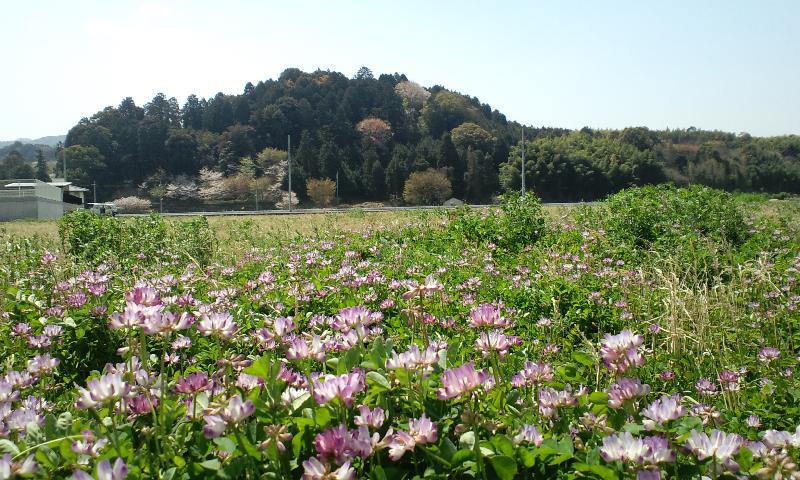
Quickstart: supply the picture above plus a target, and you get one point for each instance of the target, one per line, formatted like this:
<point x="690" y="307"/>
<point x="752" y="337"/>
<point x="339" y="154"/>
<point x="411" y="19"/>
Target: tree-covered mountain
<point x="28" y="151"/>
<point x="372" y="132"/>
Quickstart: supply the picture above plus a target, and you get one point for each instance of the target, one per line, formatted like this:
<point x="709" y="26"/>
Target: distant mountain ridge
<point x="50" y="141"/>
<point x="375" y="134"/>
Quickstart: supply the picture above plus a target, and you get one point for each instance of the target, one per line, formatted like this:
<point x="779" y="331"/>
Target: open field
<point x="653" y="336"/>
<point x="285" y="226"/>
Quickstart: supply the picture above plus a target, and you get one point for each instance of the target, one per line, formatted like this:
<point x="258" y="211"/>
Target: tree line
<point x="371" y="133"/>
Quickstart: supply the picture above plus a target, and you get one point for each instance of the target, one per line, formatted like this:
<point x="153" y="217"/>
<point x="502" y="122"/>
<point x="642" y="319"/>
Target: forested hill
<point x="373" y="132"/>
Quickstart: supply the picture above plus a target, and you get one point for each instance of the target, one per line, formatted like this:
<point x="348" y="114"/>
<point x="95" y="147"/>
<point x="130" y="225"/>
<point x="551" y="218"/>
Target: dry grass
<point x="228" y="226"/>
<point x="285" y="226"/>
<point x="29" y="228"/>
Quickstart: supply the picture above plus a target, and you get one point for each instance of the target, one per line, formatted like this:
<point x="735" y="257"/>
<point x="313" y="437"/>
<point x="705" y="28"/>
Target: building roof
<point x="55" y="184"/>
<point x="20" y="185"/>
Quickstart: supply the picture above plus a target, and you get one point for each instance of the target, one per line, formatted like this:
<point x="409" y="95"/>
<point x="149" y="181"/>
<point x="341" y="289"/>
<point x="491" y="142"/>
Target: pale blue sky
<point x="727" y="65"/>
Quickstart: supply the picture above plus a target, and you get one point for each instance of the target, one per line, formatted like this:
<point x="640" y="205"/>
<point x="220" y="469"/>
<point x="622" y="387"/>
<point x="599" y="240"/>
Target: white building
<point x="33" y="199"/>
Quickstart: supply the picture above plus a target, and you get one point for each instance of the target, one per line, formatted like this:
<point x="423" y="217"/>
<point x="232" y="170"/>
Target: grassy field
<point x="654" y="336"/>
<point x="280" y="226"/>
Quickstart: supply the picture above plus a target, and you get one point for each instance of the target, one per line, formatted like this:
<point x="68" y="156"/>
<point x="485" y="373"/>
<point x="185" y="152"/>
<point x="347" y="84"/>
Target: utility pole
<point x="337" y="187"/>
<point x="523" y="160"/>
<point x="64" y="154"/>
<point x="289" y="150"/>
<point x="94" y="191"/>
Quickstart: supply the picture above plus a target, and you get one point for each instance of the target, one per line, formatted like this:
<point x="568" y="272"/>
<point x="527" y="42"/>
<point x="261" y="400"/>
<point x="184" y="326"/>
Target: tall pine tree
<point x="451" y="161"/>
<point x="41" y="167"/>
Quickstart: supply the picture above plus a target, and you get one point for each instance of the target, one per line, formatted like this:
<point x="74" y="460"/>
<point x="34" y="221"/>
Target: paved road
<point x="303" y="211"/>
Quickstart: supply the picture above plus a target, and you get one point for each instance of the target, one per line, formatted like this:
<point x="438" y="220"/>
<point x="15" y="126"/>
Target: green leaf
<point x="485" y="449"/>
<point x="261" y="368"/>
<point x="505" y="467"/>
<point x="601" y="471"/>
<point x="7" y="446"/>
<point x="33" y="433"/>
<point x="378" y="352"/>
<point x="569" y="373"/>
<point x="377" y="473"/>
<point x="503" y="445"/>
<point x="299" y="401"/>
<point x="687" y="424"/>
<point x="350" y="360"/>
<point x="213" y="464"/>
<point x="565" y="446"/>
<point x="633" y="428"/>
<point x="376" y="379"/>
<point x="50" y="426"/>
<point x="47" y="455"/>
<point x="467" y="441"/>
<point x="225" y="444"/>
<point x="64" y="423"/>
<point x="323" y="416"/>
<point x="248" y="447"/>
<point x="448" y="449"/>
<point x="598" y="398"/>
<point x="583" y="359"/>
<point x="332" y="363"/>
<point x="745" y="459"/>
<point x="527" y="457"/>
<point x="460" y="457"/>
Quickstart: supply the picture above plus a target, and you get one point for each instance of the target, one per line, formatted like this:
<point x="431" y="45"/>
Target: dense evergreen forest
<point x="372" y="133"/>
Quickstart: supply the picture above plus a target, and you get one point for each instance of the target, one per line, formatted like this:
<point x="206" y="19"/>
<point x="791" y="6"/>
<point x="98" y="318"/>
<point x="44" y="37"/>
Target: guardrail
<point x="306" y="211"/>
<point x="299" y="211"/>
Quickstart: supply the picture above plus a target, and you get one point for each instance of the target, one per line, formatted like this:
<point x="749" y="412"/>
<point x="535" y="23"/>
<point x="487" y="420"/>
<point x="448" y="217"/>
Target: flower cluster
<point x="463" y="379"/>
<point x="231" y="414"/>
<point x="622" y="351"/>
<point x="326" y="388"/>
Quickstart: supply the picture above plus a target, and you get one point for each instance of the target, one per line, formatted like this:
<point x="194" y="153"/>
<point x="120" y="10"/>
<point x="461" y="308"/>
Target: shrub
<point x="194" y="239"/>
<point x="517" y="223"/>
<point x="662" y="215"/>
<point x="431" y="187"/>
<point x="147" y="240"/>
<point x="239" y="187"/>
<point x="322" y="192"/>
<point x="132" y="204"/>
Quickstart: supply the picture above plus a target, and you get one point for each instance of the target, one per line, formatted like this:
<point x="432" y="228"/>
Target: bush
<point x="431" y="187"/>
<point x="146" y="240"/>
<point x="194" y="239"/>
<point x="87" y="236"/>
<point x="662" y="215"/>
<point x="322" y="192"/>
<point x="239" y="187"/>
<point x="132" y="205"/>
<point x="517" y="223"/>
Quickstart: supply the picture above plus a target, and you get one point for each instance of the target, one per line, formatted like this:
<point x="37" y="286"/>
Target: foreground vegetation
<point x="652" y="336"/>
